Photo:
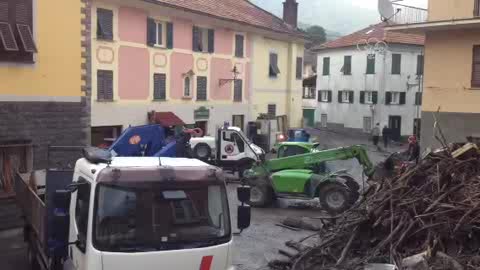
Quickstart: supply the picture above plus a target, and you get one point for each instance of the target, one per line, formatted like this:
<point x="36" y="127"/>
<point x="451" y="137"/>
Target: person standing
<point x="413" y="149"/>
<point x="376" y="134"/>
<point x="386" y="135"/>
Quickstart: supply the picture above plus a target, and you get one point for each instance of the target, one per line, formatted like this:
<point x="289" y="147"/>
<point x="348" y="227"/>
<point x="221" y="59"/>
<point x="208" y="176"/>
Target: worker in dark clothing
<point x="386" y="136"/>
<point x="413" y="149"/>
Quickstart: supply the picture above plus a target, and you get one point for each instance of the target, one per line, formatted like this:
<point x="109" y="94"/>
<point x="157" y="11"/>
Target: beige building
<point x="452" y="66"/>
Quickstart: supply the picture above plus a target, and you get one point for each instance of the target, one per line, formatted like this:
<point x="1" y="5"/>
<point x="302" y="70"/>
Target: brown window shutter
<point x="272" y="109"/>
<point x="237" y="90"/>
<point x="196" y="39"/>
<point x="151" y="32"/>
<point x="299" y="68"/>
<point x="169" y="35"/>
<point x="105" y="85"/>
<point x="239" y="40"/>
<point x="201" y="88"/>
<point x="476" y="66"/>
<point x="211" y="40"/>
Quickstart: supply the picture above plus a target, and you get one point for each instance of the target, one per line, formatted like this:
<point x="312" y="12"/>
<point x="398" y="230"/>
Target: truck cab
<point x="141" y="213"/>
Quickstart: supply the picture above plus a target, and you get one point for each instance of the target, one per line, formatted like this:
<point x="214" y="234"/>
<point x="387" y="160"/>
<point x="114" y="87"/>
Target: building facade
<point x="205" y="65"/>
<point x="358" y="87"/>
<point x="452" y="69"/>
<point x="42" y="91"/>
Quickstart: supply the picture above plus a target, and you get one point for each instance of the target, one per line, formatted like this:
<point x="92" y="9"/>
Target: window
<point x="326" y="66"/>
<point x="299" y="68"/>
<point x="345" y="96"/>
<point x="291" y="150"/>
<point x="396" y="63"/>
<point x="325" y="96"/>
<point x="371" y="64"/>
<point x="367" y="124"/>
<point x="105" y="85"/>
<point x="368" y="97"/>
<point x="420" y="64"/>
<point x="395" y="98"/>
<point x="347" y="65"/>
<point x="203" y="40"/>
<point x="16" y="31"/>
<point x="273" y="69"/>
<point x="239" y="45"/>
<point x="418" y="98"/>
<point x="201" y="88"/>
<point x="476" y="66"/>
<point x="237" y="90"/>
<point x="323" y="120"/>
<point x="104" y="24"/>
<point x="159" y="86"/>
<point x="82" y="207"/>
<point x="159" y="34"/>
<point x="272" y="109"/>
<point x="187" y="86"/>
<point x="308" y="93"/>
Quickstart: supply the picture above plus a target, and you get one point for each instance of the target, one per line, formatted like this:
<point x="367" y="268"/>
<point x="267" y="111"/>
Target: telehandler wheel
<point x="261" y="194"/>
<point x="335" y="198"/>
<point x="32" y="258"/>
<point x="202" y="151"/>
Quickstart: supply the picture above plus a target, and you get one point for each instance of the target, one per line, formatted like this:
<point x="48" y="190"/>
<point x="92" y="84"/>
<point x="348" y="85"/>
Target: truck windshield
<point x="149" y="216"/>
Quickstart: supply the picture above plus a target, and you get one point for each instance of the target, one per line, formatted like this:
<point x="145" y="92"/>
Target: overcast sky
<point x="372" y="4"/>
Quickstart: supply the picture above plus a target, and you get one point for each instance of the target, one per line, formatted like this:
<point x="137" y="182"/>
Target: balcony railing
<point x="408" y="14"/>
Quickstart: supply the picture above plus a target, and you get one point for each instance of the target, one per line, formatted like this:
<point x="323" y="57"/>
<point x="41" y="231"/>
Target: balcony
<point x="408" y="15"/>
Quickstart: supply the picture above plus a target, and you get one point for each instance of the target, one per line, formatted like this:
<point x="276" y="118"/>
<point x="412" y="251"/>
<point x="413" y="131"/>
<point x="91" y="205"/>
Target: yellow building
<point x="42" y="95"/>
<point x="452" y="67"/>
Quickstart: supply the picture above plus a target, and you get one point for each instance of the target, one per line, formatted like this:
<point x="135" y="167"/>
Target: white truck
<point x="230" y="149"/>
<point x="127" y="213"/>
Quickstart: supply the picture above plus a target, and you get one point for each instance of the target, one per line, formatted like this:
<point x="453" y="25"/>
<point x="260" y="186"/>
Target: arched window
<point x="186" y="86"/>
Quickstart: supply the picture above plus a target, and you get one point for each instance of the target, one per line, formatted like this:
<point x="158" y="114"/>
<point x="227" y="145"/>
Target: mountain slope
<point x="337" y="16"/>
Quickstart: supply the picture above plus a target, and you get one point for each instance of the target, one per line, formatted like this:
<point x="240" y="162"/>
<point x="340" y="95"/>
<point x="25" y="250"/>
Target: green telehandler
<point x="304" y="176"/>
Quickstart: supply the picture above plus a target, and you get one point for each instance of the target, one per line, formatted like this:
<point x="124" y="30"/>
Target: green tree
<point x="316" y="34"/>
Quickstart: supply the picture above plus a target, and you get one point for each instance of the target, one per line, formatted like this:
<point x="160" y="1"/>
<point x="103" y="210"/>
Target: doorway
<point x="395" y="125"/>
<point x="309" y="117"/>
<point x="238" y="121"/>
<point x="367" y="124"/>
<point x="324" y="121"/>
<point x="203" y="125"/>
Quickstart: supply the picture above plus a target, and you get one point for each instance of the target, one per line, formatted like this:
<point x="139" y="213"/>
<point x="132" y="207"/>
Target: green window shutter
<point x="201" y="88"/>
<point x="340" y="96"/>
<point x="319" y="95"/>
<point x="196" y="38"/>
<point x="374" y="97"/>
<point x="237" y="90"/>
<point x="211" y="40"/>
<point x="362" y="97"/>
<point x="329" y="96"/>
<point x="151" y="32"/>
<point x="371" y="64"/>
<point x="388" y="98"/>
<point x="347" y="65"/>
<point x="420" y="64"/>
<point x="326" y="66"/>
<point x="418" y="98"/>
<point x="403" y="98"/>
<point x="351" y="96"/>
<point x="104" y="24"/>
<point x="396" y="63"/>
<point x="239" y="40"/>
<point x="159" y="86"/>
<point x="299" y="68"/>
<point x="169" y="35"/>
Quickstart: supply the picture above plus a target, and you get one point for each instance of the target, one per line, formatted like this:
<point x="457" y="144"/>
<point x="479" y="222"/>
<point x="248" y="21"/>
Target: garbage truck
<point x="124" y="213"/>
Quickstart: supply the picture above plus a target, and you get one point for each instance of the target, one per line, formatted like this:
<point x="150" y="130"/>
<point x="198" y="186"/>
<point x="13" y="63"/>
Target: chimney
<point x="290" y="12"/>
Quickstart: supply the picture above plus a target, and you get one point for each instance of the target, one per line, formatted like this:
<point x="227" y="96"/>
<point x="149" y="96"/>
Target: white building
<point x="378" y="81"/>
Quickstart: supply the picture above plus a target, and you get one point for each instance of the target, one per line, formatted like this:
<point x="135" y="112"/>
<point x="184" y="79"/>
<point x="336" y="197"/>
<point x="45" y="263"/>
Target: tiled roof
<point x="241" y="11"/>
<point x="376" y="31"/>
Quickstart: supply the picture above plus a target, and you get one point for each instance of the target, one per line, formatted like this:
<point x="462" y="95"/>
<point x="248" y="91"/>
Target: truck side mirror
<point x="243" y="194"/>
<point x="243" y="217"/>
<point x="58" y="238"/>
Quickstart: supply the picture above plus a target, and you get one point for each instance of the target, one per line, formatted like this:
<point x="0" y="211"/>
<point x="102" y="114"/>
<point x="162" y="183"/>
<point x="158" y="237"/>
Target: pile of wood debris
<point x="427" y="217"/>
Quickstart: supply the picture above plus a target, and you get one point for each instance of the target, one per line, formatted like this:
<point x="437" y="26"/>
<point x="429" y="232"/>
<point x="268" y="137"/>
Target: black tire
<point x="243" y="167"/>
<point x="261" y="193"/>
<point x="202" y="151"/>
<point x="32" y="258"/>
<point x="335" y="198"/>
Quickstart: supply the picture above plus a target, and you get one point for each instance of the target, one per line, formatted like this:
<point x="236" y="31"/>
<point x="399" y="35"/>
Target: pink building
<point x="197" y="59"/>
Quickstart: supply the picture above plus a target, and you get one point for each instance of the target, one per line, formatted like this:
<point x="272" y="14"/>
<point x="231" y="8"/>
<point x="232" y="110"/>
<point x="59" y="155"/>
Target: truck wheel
<point x="335" y="198"/>
<point x="202" y="151"/>
<point x="32" y="259"/>
<point x="261" y="194"/>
